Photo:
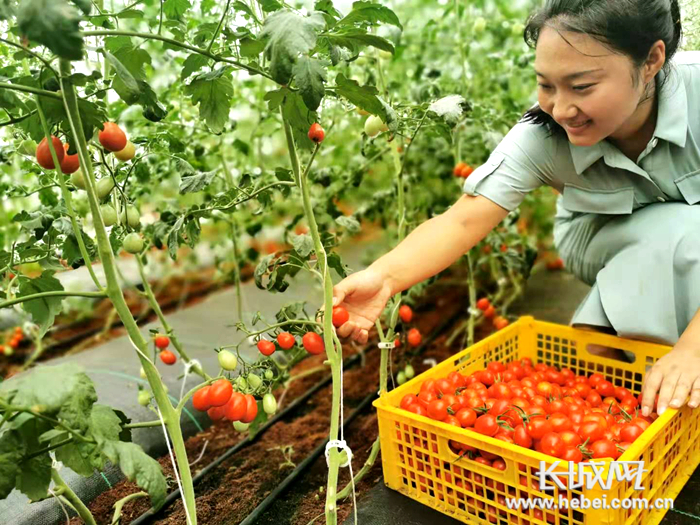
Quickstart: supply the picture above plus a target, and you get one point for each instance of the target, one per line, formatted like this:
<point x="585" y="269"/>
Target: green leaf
<point x="310" y="75"/>
<point x="303" y="244"/>
<point x="364" y="12"/>
<point x="197" y="182"/>
<point x="152" y="109"/>
<point x="193" y="62"/>
<point x="300" y="118"/>
<point x="55" y="433"/>
<point x="8" y="100"/>
<point x="131" y="13"/>
<point x="138" y="467"/>
<point x="349" y="223"/>
<point x="125" y="84"/>
<point x="34" y="477"/>
<point x="269" y="6"/>
<point x="250" y="47"/>
<point x="11" y="451"/>
<point x="42" y="310"/>
<point x="53" y="23"/>
<point x="176" y="8"/>
<point x="71" y="249"/>
<point x="77" y="456"/>
<point x="364" y="97"/>
<point x="105" y="424"/>
<point x="84" y="5"/>
<point x="288" y="35"/>
<point x="240" y="6"/>
<point x="357" y="39"/>
<point x="335" y="262"/>
<point x="213" y="92"/>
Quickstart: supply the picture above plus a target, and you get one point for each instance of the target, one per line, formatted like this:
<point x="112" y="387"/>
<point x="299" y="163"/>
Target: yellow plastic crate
<point x="418" y="461"/>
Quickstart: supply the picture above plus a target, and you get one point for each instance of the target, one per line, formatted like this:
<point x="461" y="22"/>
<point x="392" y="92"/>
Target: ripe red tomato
<point x="444" y="386"/>
<point x="483" y="303"/>
<point x="316" y="133"/>
<point x="168" y="357"/>
<point x="161" y="341"/>
<point x="405" y="313"/>
<point x="200" y="399"/>
<point x="235" y="409"/>
<point x="591" y="431"/>
<point x="43" y="153"/>
<point x="418" y="408"/>
<point x="552" y="444"/>
<point x="630" y="433"/>
<point x="486" y="424"/>
<point x="570" y="438"/>
<point x="538" y="426"/>
<point x="621" y="393"/>
<point x="500" y="322"/>
<point x="313" y="343"/>
<point x="216" y="413"/>
<point x="640" y="422"/>
<point x="605" y="389"/>
<point x="408" y="400"/>
<point x="251" y="410"/>
<point x="490" y="312"/>
<point x="414" y="337"/>
<point x="594" y="399"/>
<point x="266" y="347"/>
<point x="486" y="377"/>
<point x="112" y="137"/>
<point x="500" y="391"/>
<point x="560" y="422"/>
<point x="70" y="163"/>
<point x="437" y="409"/>
<point x="457" y="171"/>
<point x="572" y="454"/>
<point x="457" y="379"/>
<point x="340" y="316"/>
<point x="220" y="392"/>
<point x="466" y="417"/>
<point x="286" y="340"/>
<point x="594" y="379"/>
<point x="499" y="464"/>
<point x="604" y="448"/>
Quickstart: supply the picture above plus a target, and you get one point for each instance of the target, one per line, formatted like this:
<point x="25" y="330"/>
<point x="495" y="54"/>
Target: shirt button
<point x="660" y="199"/>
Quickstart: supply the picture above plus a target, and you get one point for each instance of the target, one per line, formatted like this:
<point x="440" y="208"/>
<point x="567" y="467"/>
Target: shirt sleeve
<point x="522" y="162"/>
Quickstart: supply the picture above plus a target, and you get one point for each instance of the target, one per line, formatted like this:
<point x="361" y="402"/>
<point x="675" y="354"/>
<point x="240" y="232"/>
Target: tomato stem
<point x="74" y="500"/>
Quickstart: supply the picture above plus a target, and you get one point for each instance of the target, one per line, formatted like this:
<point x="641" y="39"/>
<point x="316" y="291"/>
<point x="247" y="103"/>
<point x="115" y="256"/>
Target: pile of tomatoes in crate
<point x="556" y="412"/>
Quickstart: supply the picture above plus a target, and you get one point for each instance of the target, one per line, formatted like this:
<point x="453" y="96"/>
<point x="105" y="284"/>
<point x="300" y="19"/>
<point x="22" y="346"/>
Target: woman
<point x="617" y="132"/>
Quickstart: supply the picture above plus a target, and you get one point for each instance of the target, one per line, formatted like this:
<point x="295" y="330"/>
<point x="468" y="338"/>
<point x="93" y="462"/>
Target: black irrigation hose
<point x="318" y="451"/>
<point x="150" y="513"/>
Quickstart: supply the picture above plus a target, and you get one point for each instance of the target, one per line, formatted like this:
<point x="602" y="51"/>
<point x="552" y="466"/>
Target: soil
<point x="235" y="487"/>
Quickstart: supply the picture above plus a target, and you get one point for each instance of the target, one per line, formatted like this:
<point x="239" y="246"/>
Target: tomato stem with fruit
<point x="114" y="291"/>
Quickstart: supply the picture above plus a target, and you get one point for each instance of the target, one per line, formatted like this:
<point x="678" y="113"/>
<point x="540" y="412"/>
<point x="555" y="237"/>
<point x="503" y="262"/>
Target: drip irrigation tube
<point x="173" y="496"/>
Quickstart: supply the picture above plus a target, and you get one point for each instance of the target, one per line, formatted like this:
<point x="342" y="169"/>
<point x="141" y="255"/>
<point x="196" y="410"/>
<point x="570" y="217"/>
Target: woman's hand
<point x="364" y="295"/>
<point x="675" y="376"/>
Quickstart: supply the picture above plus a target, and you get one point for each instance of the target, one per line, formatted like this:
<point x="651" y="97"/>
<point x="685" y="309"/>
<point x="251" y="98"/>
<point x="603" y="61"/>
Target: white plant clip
<point x="387" y="344"/>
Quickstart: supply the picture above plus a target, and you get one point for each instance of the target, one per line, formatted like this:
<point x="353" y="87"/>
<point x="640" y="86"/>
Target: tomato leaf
<point x="213" y="92"/>
<point x="176" y="8"/>
<point x="84" y="5"/>
<point x="11" y="451"/>
<point x="310" y="75"/>
<point x="54" y="24"/>
<point x="250" y="47"/>
<point x="364" y="97"/>
<point x="356" y="39"/>
<point x="139" y="467"/>
<point x="124" y="84"/>
<point x="44" y="309"/>
<point x="303" y="244"/>
<point x="196" y="182"/>
<point x="300" y="118"/>
<point x="288" y="35"/>
<point x="349" y="223"/>
<point x="193" y="62"/>
<point x="364" y="13"/>
<point x="336" y="263"/>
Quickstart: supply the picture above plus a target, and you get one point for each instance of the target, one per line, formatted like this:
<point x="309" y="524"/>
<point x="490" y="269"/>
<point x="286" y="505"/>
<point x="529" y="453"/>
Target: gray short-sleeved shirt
<point x="601" y="188"/>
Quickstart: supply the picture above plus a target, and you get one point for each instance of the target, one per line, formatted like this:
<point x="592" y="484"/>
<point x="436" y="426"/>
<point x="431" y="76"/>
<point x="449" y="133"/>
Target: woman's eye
<point x="544" y="86"/>
<point x="583" y="88"/>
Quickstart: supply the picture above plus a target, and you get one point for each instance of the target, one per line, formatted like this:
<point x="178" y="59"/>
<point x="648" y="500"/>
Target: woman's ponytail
<point x="677" y="28"/>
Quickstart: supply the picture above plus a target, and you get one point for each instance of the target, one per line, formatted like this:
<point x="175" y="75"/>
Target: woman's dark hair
<point x="629" y="27"/>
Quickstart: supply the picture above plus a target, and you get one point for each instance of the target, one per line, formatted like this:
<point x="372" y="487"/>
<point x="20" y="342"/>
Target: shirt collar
<point x="671" y="122"/>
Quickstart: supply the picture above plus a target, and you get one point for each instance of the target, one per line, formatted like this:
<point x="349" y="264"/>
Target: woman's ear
<point x="655" y="61"/>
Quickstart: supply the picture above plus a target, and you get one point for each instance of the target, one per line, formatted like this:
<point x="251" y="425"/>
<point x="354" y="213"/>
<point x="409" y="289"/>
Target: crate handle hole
<point x="618" y="354"/>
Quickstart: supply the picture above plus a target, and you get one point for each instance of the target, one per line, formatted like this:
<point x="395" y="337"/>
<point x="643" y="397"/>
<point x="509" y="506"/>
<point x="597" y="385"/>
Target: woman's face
<point x="586" y="88"/>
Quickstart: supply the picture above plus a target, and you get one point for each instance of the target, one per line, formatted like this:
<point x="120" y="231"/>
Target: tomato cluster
<point x="489" y="310"/>
<point x="12" y="342"/>
<point x="556" y="412"/>
<point x="462" y="170"/>
<point x="220" y="401"/>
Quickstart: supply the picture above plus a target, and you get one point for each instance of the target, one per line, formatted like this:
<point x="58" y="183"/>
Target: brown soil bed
<point x="232" y="490"/>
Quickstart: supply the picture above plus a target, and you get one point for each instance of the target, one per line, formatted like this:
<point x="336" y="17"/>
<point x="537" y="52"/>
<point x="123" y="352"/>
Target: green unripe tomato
<point x="479" y="25"/>
<point x="401" y="377"/>
<point x="269" y="404"/>
<point x="142" y="373"/>
<point x="228" y="360"/>
<point x="132" y="216"/>
<point x="373" y="125"/>
<point x="104" y="187"/>
<point x="133" y="243"/>
<point x="254" y="381"/>
<point x="269" y="374"/>
<point x="410" y="373"/>
<point x="109" y="214"/>
<point x="384" y="55"/>
<point x="240" y="426"/>
<point x="78" y="179"/>
<point x="242" y="382"/>
<point x="144" y="397"/>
